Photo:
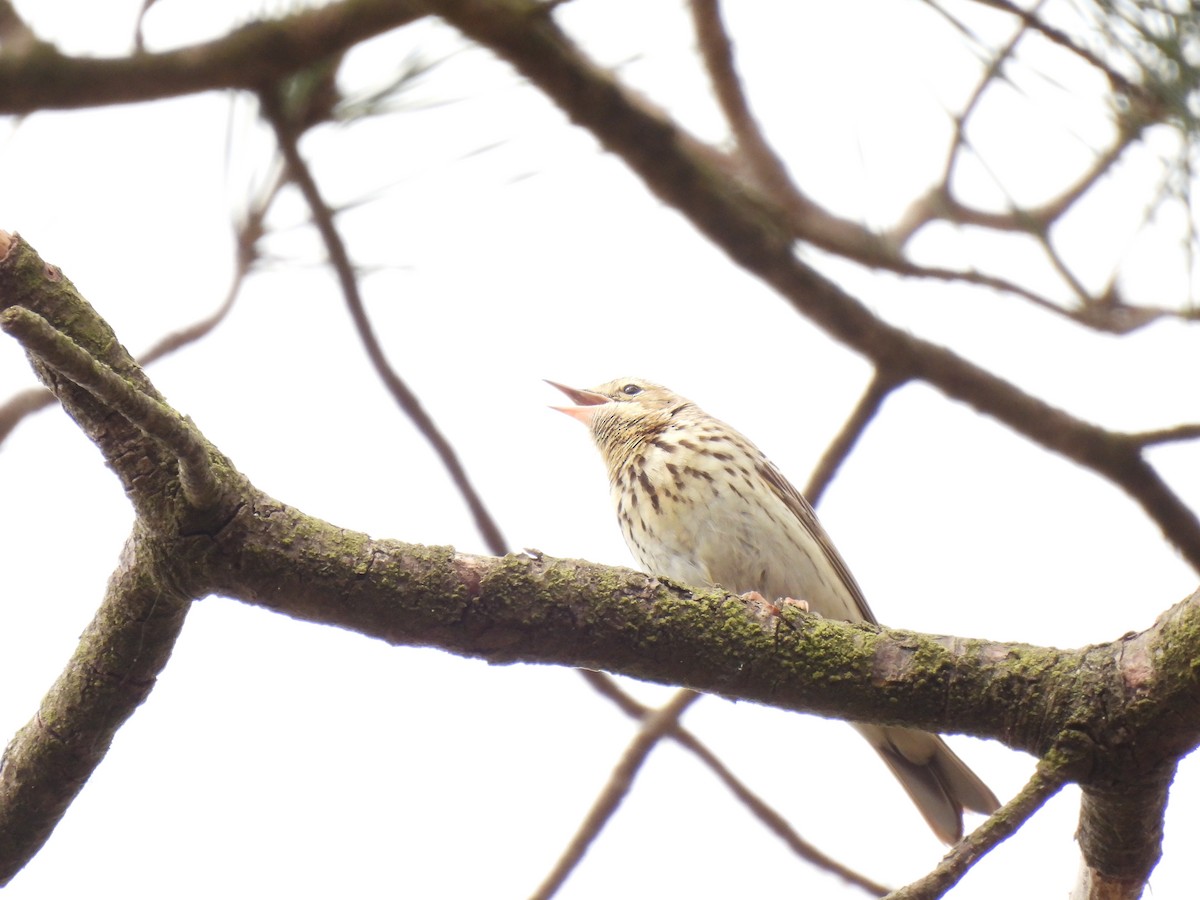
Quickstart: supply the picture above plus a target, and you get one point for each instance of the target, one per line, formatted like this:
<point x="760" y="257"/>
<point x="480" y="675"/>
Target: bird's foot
<point x="759" y="600"/>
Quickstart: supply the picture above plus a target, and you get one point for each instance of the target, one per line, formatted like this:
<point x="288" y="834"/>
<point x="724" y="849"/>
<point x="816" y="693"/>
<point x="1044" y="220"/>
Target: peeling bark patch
<point x="471" y="578"/>
<point x="1136" y="662"/>
<point x="891" y="662"/>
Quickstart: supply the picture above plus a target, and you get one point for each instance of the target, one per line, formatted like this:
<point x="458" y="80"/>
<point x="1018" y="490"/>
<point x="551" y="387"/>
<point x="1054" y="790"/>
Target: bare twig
<point x="654" y="727"/>
<point x="20" y="405"/>
<point x="250" y="230"/>
<point x="249" y="233"/>
<point x="717" y="51"/>
<point x="813" y="223"/>
<point x="1166" y="435"/>
<point x="758" y="807"/>
<point x="15" y="34"/>
<point x="1045" y="783"/>
<point x="993" y="71"/>
<point x="843" y="445"/>
<point x="759" y="161"/>
<point x="1030" y="19"/>
<point x="139" y="37"/>
<point x="339" y="257"/>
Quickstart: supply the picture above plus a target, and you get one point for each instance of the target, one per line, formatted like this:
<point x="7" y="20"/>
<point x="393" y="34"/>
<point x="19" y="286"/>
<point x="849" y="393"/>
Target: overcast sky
<point x="280" y="758"/>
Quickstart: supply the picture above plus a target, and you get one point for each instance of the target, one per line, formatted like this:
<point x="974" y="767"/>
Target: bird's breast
<point x="703" y="515"/>
<point x="694" y="516"/>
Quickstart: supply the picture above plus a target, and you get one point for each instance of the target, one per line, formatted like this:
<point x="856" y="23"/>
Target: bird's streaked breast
<point x="693" y="507"/>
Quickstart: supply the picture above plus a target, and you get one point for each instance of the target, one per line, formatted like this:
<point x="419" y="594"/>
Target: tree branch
<point x="1120" y="836"/>
<point x="156" y="419"/>
<point x="758" y="807"/>
<point x="655" y="726"/>
<point x="688" y="176"/>
<point x="251" y="56"/>
<point x="298" y="171"/>
<point x="20" y="405"/>
<point x="1189" y="432"/>
<point x="564" y="612"/>
<point x="759" y="162"/>
<point x="147" y="469"/>
<point x="111" y="673"/>
<point x="249" y="231"/>
<point x="839" y="451"/>
<point x="1046" y="782"/>
<point x="1128" y="709"/>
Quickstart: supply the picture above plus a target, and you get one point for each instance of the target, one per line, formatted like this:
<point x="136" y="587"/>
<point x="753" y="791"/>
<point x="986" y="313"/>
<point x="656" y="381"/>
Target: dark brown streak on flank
<point x="674" y="470"/>
<point x="649" y="489"/>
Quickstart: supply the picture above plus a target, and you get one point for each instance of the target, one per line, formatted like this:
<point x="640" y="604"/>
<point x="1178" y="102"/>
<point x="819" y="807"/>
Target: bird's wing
<point x="803" y="511"/>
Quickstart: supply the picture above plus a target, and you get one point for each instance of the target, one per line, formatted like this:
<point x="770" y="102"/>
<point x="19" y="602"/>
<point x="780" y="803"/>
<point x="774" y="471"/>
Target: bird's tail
<point x="939" y="783"/>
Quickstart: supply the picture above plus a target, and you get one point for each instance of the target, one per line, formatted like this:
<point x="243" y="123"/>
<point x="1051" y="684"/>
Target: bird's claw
<point x="759" y="600"/>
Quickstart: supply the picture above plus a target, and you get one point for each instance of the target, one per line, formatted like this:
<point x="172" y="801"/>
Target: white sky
<point x="279" y="758"/>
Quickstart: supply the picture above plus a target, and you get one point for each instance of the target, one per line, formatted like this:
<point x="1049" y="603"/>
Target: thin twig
<point x="1166" y="435"/>
<point x="63" y="355"/>
<point x="339" y="258"/>
<point x="15" y="34"/>
<point x="19" y="405"/>
<point x="716" y="49"/>
<point x="759" y="808"/>
<point x="139" y="37"/>
<point x="249" y="233"/>
<point x="31" y="400"/>
<point x="654" y="727"/>
<point x="1045" y="783"/>
<point x="842" y="446"/>
<point x="765" y="168"/>
<point x="1061" y="38"/>
<point x="993" y="71"/>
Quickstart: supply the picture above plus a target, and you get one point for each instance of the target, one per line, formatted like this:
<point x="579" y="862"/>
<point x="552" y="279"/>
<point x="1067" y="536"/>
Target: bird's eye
<point x="631" y="390"/>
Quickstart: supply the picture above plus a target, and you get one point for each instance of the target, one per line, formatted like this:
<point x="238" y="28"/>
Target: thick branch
<point x="113" y="670"/>
<point x="249" y="57"/>
<point x="145" y="467"/>
<point x="1128" y="710"/>
<point x="564" y="612"/>
<point x="156" y="452"/>
<point x="1120" y="836"/>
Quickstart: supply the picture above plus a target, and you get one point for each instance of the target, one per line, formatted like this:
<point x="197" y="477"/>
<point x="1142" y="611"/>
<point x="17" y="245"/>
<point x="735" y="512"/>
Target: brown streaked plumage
<point x="697" y="502"/>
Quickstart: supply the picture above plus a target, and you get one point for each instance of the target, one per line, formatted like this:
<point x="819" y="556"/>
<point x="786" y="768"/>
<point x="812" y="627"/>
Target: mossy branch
<point x="1114" y="717"/>
<point x="155" y="418"/>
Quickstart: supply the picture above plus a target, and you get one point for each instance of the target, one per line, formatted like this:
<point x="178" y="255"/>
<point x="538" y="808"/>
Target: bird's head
<point x="624" y="412"/>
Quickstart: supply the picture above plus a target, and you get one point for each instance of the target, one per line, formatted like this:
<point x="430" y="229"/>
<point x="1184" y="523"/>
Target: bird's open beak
<point x="587" y="402"/>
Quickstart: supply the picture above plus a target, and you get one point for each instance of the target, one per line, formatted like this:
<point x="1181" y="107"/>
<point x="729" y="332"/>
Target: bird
<point x="698" y="503"/>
